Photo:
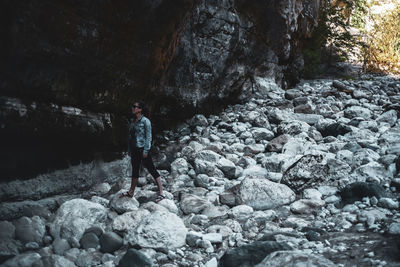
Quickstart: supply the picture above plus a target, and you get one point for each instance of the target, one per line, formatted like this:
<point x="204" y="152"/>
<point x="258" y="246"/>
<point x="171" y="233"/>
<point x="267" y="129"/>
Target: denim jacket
<point x="142" y="132"/>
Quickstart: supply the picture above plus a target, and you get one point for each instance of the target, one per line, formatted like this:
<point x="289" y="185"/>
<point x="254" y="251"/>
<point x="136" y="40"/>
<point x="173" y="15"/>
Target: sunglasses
<point x="136" y="106"/>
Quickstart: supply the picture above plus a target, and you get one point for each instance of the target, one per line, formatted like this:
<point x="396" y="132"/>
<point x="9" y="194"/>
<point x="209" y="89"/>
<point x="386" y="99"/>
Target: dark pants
<point x="136" y="161"/>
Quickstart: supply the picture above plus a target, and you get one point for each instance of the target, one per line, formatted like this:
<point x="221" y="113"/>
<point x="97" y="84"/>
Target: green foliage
<point x="332" y="41"/>
<point x="360" y="11"/>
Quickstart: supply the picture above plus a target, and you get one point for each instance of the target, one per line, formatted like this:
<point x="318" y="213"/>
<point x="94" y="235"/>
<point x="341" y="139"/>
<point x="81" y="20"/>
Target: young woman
<point x="139" y="144"/>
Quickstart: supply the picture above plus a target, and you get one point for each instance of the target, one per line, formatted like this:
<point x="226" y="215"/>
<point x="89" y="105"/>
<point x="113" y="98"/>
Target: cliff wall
<point x="69" y="70"/>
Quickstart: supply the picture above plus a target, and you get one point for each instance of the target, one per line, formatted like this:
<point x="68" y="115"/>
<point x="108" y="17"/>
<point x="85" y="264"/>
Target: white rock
<point x="327" y="190"/>
<point x="255" y="171"/>
<point x="213" y="212"/>
<point x="123" y="204"/>
<point x="158" y="230"/>
<point x="311" y="193"/>
<point x="129" y="220"/>
<point x="102" y="188"/>
<point x="75" y="216"/>
<point x="179" y="166"/>
<point x="306" y="206"/>
<point x="240" y="212"/>
<point x="169" y="205"/>
<point x="193" y="204"/>
<point x="388" y="203"/>
<point x="263" y="194"/>
<point x="297" y="146"/>
<point x="212" y="263"/>
<point x="214" y="238"/>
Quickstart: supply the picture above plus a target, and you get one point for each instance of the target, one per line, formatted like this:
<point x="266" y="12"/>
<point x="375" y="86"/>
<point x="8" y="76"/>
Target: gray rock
<point x="357" y="111"/>
<point x="9" y="248"/>
<point x="276" y="144"/>
<point x="110" y="242"/>
<point x="54" y="260"/>
<point x="60" y="246"/>
<point x="7" y="230"/>
<point x="27" y="259"/>
<point x="260" y="134"/>
<point x="88" y="258"/>
<point x="228" y="198"/>
<point x="394" y="228"/>
<point x="250" y="254"/>
<point x="95" y="229"/>
<point x="388" y="203"/>
<point x="89" y="240"/>
<point x="227" y="167"/>
<point x="30" y="229"/>
<point x="254" y="149"/>
<point x="389" y="117"/>
<point x="192" y="237"/>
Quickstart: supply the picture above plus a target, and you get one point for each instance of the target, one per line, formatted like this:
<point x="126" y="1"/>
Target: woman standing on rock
<point x="139" y="143"/>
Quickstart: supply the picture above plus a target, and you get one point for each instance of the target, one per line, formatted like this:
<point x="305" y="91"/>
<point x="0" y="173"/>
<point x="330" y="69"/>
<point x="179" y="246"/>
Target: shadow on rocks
<point x="358" y="190"/>
<point x="251" y="254"/>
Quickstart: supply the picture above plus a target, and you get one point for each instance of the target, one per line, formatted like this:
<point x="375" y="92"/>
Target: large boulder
<point x="262" y="194"/>
<point x="75" y="216"/>
<point x="251" y="254"/>
<point x="158" y="230"/>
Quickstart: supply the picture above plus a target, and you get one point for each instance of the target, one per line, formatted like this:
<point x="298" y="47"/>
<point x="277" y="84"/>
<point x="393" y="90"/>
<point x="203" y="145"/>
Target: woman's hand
<point x="144" y="155"/>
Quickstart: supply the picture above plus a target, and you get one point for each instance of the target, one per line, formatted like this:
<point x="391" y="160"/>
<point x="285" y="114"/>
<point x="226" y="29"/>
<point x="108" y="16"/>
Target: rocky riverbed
<point x="304" y="176"/>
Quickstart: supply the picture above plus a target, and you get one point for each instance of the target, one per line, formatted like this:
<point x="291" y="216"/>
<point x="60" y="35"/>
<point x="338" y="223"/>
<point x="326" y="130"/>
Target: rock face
<point x="70" y="72"/>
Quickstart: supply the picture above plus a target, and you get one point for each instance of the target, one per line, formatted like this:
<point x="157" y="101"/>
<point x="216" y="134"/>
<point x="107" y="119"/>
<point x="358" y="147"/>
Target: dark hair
<point x="143" y="106"/>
